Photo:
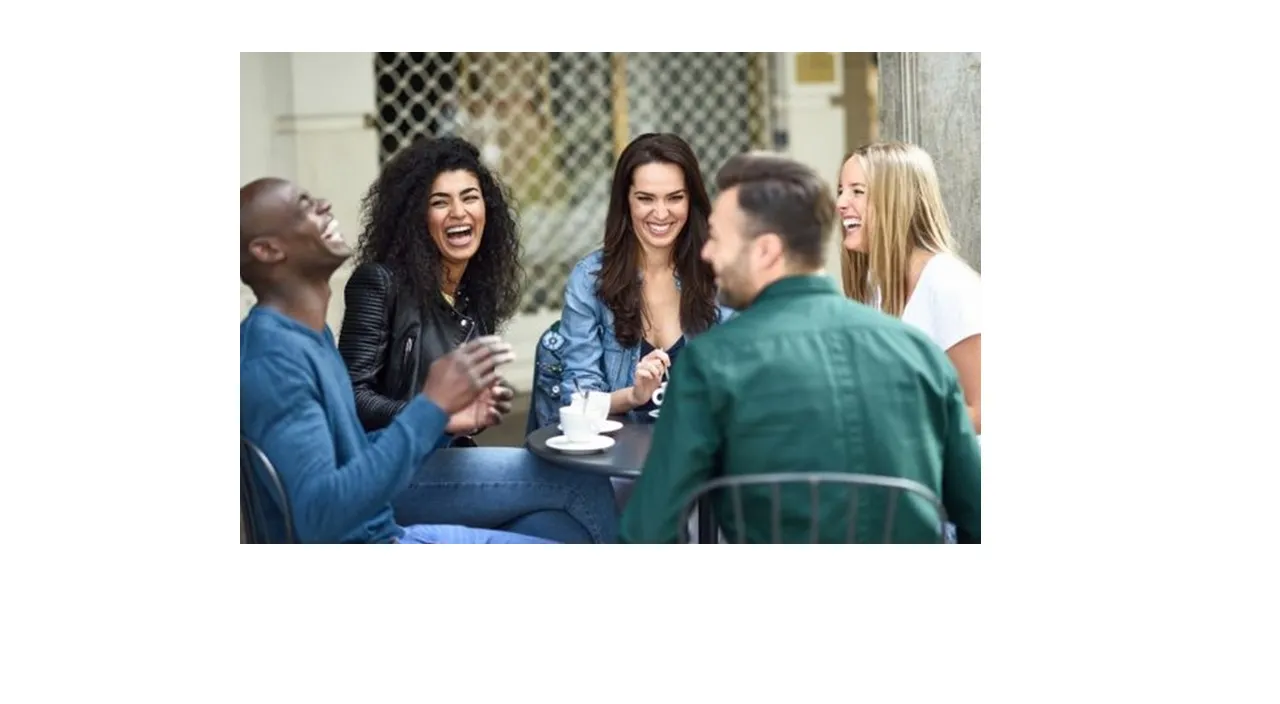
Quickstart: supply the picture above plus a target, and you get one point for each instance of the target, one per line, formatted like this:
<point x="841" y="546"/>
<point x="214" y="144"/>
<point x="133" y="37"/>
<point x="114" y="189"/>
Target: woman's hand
<point x="649" y="373"/>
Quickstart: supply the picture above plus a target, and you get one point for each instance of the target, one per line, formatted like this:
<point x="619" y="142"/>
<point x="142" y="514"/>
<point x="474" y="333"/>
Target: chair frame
<point x="814" y="480"/>
<point x="249" y="512"/>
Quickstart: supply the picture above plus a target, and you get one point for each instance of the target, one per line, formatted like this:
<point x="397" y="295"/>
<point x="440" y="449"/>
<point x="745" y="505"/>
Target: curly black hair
<point x="394" y="218"/>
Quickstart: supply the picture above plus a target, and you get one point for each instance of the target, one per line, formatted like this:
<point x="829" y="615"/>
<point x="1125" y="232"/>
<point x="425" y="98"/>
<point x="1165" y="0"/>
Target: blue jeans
<point x="456" y="535"/>
<point x="509" y="489"/>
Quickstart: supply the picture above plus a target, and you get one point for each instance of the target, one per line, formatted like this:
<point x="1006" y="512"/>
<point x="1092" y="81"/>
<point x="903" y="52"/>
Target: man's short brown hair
<point x="780" y="195"/>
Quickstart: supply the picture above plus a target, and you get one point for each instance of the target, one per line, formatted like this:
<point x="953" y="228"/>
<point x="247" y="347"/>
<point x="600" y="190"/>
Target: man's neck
<point x="805" y="271"/>
<point x="307" y="303"/>
<point x="787" y="272"/>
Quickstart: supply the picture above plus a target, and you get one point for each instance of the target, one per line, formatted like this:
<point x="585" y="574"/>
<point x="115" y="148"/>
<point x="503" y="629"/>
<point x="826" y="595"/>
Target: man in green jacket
<point x="803" y="379"/>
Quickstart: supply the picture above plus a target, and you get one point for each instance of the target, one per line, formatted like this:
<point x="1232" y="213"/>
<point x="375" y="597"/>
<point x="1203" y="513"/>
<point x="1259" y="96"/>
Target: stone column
<point x="934" y="100"/>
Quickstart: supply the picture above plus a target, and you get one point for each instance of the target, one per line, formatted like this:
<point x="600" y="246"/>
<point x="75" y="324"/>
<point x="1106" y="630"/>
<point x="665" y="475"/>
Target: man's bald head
<point x="283" y="228"/>
<point x="262" y="209"/>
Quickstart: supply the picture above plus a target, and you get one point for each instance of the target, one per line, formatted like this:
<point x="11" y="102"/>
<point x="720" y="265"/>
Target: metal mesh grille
<point x="551" y="124"/>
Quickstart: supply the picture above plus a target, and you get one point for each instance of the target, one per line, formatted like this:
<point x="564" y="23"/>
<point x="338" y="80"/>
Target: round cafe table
<point x="624" y="459"/>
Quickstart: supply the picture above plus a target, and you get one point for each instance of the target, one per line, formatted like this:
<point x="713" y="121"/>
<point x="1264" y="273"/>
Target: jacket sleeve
<point x="581" y="326"/>
<point x="364" y="341"/>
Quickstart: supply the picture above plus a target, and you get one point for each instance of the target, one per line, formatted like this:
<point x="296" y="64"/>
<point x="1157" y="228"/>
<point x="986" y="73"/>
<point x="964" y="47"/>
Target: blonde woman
<point x="899" y="255"/>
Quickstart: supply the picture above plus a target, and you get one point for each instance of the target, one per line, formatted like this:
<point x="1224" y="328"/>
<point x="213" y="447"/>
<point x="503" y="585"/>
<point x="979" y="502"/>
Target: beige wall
<point x="302" y="117"/>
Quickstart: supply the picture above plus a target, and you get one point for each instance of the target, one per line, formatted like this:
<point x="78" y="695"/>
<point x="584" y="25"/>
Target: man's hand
<point x="458" y="379"/>
<point x="487" y="410"/>
<point x="504" y="396"/>
<point x="649" y="376"/>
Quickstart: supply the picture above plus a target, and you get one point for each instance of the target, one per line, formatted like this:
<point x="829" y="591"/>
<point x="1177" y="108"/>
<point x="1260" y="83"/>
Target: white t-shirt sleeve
<point x="955" y="302"/>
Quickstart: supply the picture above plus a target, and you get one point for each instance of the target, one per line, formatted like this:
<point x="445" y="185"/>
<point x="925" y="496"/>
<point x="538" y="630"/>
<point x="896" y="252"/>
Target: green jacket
<point x="808" y="380"/>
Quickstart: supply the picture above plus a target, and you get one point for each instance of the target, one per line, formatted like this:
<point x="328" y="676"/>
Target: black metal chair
<point x="253" y="522"/>
<point x="857" y="484"/>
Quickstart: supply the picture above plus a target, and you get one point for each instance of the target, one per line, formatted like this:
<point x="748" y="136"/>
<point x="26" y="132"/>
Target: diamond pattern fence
<point x="552" y="124"/>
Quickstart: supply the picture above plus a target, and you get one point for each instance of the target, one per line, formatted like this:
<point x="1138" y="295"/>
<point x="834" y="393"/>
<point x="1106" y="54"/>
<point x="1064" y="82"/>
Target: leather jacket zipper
<point x="407" y="367"/>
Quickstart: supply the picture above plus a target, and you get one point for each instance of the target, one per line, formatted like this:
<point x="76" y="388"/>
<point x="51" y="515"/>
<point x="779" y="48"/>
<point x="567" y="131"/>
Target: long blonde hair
<point x="904" y="211"/>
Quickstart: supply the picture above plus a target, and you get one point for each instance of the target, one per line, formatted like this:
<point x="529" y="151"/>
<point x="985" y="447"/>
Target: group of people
<point x="771" y="366"/>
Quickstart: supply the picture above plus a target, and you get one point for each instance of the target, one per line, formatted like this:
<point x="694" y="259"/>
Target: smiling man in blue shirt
<point x="296" y="399"/>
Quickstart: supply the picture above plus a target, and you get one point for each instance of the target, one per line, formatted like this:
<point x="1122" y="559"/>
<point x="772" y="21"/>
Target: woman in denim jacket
<point x="630" y="306"/>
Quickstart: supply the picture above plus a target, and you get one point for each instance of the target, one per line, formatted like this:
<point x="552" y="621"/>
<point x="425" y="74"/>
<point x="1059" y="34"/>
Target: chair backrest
<point x="822" y="511"/>
<point x="254" y="526"/>
<point x="548" y="365"/>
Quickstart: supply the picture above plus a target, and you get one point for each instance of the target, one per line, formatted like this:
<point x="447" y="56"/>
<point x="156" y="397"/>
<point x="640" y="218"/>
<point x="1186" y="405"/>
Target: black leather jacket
<point x="389" y="341"/>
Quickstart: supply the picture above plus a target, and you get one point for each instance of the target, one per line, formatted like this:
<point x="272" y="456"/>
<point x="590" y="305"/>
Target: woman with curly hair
<point x="630" y="306"/>
<point x="438" y="263"/>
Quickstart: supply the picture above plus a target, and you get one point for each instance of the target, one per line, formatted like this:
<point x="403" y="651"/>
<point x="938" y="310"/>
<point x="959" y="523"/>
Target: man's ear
<point x="769" y="249"/>
<point x="266" y="250"/>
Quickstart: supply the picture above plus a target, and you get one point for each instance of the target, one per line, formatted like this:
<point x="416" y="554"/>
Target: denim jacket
<point x="583" y="347"/>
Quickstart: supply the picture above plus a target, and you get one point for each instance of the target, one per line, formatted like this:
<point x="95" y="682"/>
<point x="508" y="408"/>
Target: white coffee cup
<point x="597" y="405"/>
<point x="576" y="425"/>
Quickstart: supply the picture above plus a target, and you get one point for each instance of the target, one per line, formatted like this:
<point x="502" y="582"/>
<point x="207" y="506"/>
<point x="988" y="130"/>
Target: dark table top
<point x="624" y="459"/>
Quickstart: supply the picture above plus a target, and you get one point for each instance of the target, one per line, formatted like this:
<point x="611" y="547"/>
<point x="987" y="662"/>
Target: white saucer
<point x="654" y="413"/>
<point x="598" y="443"/>
<point x="608" y="426"/>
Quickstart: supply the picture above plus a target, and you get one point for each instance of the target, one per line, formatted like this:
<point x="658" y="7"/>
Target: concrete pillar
<point x="934" y="100"/>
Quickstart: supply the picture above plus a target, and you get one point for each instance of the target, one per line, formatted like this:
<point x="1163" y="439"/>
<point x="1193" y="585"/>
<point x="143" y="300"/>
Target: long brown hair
<point x="620" y="286"/>
<point x="905" y="212"/>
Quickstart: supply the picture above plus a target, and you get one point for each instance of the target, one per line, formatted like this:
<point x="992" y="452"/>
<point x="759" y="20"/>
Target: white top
<point x="947" y="301"/>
